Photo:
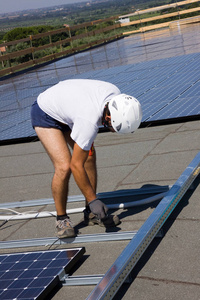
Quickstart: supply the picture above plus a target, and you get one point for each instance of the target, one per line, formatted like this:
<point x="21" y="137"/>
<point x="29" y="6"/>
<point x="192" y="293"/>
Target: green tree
<point x="23" y="32"/>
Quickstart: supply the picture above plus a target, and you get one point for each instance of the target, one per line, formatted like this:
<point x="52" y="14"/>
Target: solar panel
<point x="181" y="107"/>
<point x="32" y="275"/>
<point x="156" y="84"/>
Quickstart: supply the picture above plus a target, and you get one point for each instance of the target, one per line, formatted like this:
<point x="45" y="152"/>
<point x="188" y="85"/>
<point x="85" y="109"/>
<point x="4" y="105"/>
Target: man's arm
<point x="78" y="160"/>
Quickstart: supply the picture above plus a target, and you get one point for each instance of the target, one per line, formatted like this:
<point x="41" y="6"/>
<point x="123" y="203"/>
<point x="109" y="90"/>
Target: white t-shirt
<point x="79" y="103"/>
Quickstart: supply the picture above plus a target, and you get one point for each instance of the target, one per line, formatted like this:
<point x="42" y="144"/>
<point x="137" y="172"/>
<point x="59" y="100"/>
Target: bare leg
<point x="54" y="142"/>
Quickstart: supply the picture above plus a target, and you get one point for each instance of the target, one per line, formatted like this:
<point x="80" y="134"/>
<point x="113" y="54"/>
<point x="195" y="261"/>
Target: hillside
<point x="73" y="14"/>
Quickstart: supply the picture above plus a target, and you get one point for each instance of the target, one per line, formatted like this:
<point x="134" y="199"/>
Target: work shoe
<point x="64" y="228"/>
<point x="108" y="221"/>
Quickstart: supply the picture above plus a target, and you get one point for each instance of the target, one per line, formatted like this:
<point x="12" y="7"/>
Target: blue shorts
<point x="40" y="119"/>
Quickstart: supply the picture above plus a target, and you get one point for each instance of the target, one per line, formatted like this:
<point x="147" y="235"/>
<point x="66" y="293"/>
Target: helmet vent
<point x="114" y="104"/>
<point x="128" y="124"/>
<point x="118" y="127"/>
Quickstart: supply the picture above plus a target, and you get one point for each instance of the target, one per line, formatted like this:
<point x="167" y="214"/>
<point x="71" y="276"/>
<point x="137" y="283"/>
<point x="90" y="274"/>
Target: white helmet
<point x="126" y="113"/>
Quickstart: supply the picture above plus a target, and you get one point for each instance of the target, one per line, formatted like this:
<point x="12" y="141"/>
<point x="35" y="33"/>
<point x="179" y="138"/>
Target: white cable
<point x="138" y="202"/>
<point x="24" y="216"/>
<point x="16" y="212"/>
<point x="10" y="210"/>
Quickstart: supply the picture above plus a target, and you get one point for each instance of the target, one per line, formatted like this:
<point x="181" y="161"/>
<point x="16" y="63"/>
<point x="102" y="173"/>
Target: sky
<point x="7" y="6"/>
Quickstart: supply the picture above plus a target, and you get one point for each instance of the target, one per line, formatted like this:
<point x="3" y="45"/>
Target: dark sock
<point x="62" y="217"/>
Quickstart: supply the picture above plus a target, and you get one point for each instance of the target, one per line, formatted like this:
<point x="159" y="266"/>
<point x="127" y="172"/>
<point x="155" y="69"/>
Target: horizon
<point x="13" y="6"/>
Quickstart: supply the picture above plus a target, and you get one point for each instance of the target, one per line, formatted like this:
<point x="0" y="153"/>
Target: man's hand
<point x="98" y="208"/>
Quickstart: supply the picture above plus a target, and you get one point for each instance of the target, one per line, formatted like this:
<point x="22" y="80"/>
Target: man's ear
<point x="107" y="118"/>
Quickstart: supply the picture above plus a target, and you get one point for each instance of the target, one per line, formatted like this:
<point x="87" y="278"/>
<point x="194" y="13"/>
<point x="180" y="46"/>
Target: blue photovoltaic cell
<point x="33" y="275"/>
<point x="193" y="91"/>
<point x="181" y="107"/>
<point x="167" y="88"/>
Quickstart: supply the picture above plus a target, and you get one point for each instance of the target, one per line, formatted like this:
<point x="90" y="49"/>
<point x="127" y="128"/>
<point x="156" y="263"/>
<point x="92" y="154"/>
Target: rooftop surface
<point x="152" y="157"/>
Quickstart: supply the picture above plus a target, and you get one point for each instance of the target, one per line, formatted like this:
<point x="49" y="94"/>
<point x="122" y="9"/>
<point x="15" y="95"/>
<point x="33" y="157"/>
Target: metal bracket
<point x="67" y="280"/>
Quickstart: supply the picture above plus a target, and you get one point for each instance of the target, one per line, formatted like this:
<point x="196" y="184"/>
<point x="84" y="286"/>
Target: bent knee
<point x="63" y="170"/>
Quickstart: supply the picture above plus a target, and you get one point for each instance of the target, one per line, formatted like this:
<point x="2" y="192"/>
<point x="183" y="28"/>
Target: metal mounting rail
<point x="78" y="198"/>
<point x="84" y="238"/>
<point x="121" y="268"/>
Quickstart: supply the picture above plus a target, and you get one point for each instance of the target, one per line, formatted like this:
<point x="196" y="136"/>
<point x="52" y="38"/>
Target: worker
<point x="68" y="115"/>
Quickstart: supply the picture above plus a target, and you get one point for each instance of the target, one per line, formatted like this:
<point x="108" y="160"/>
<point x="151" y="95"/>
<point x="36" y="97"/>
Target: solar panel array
<point x="167" y="88"/>
<point x="33" y="275"/>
